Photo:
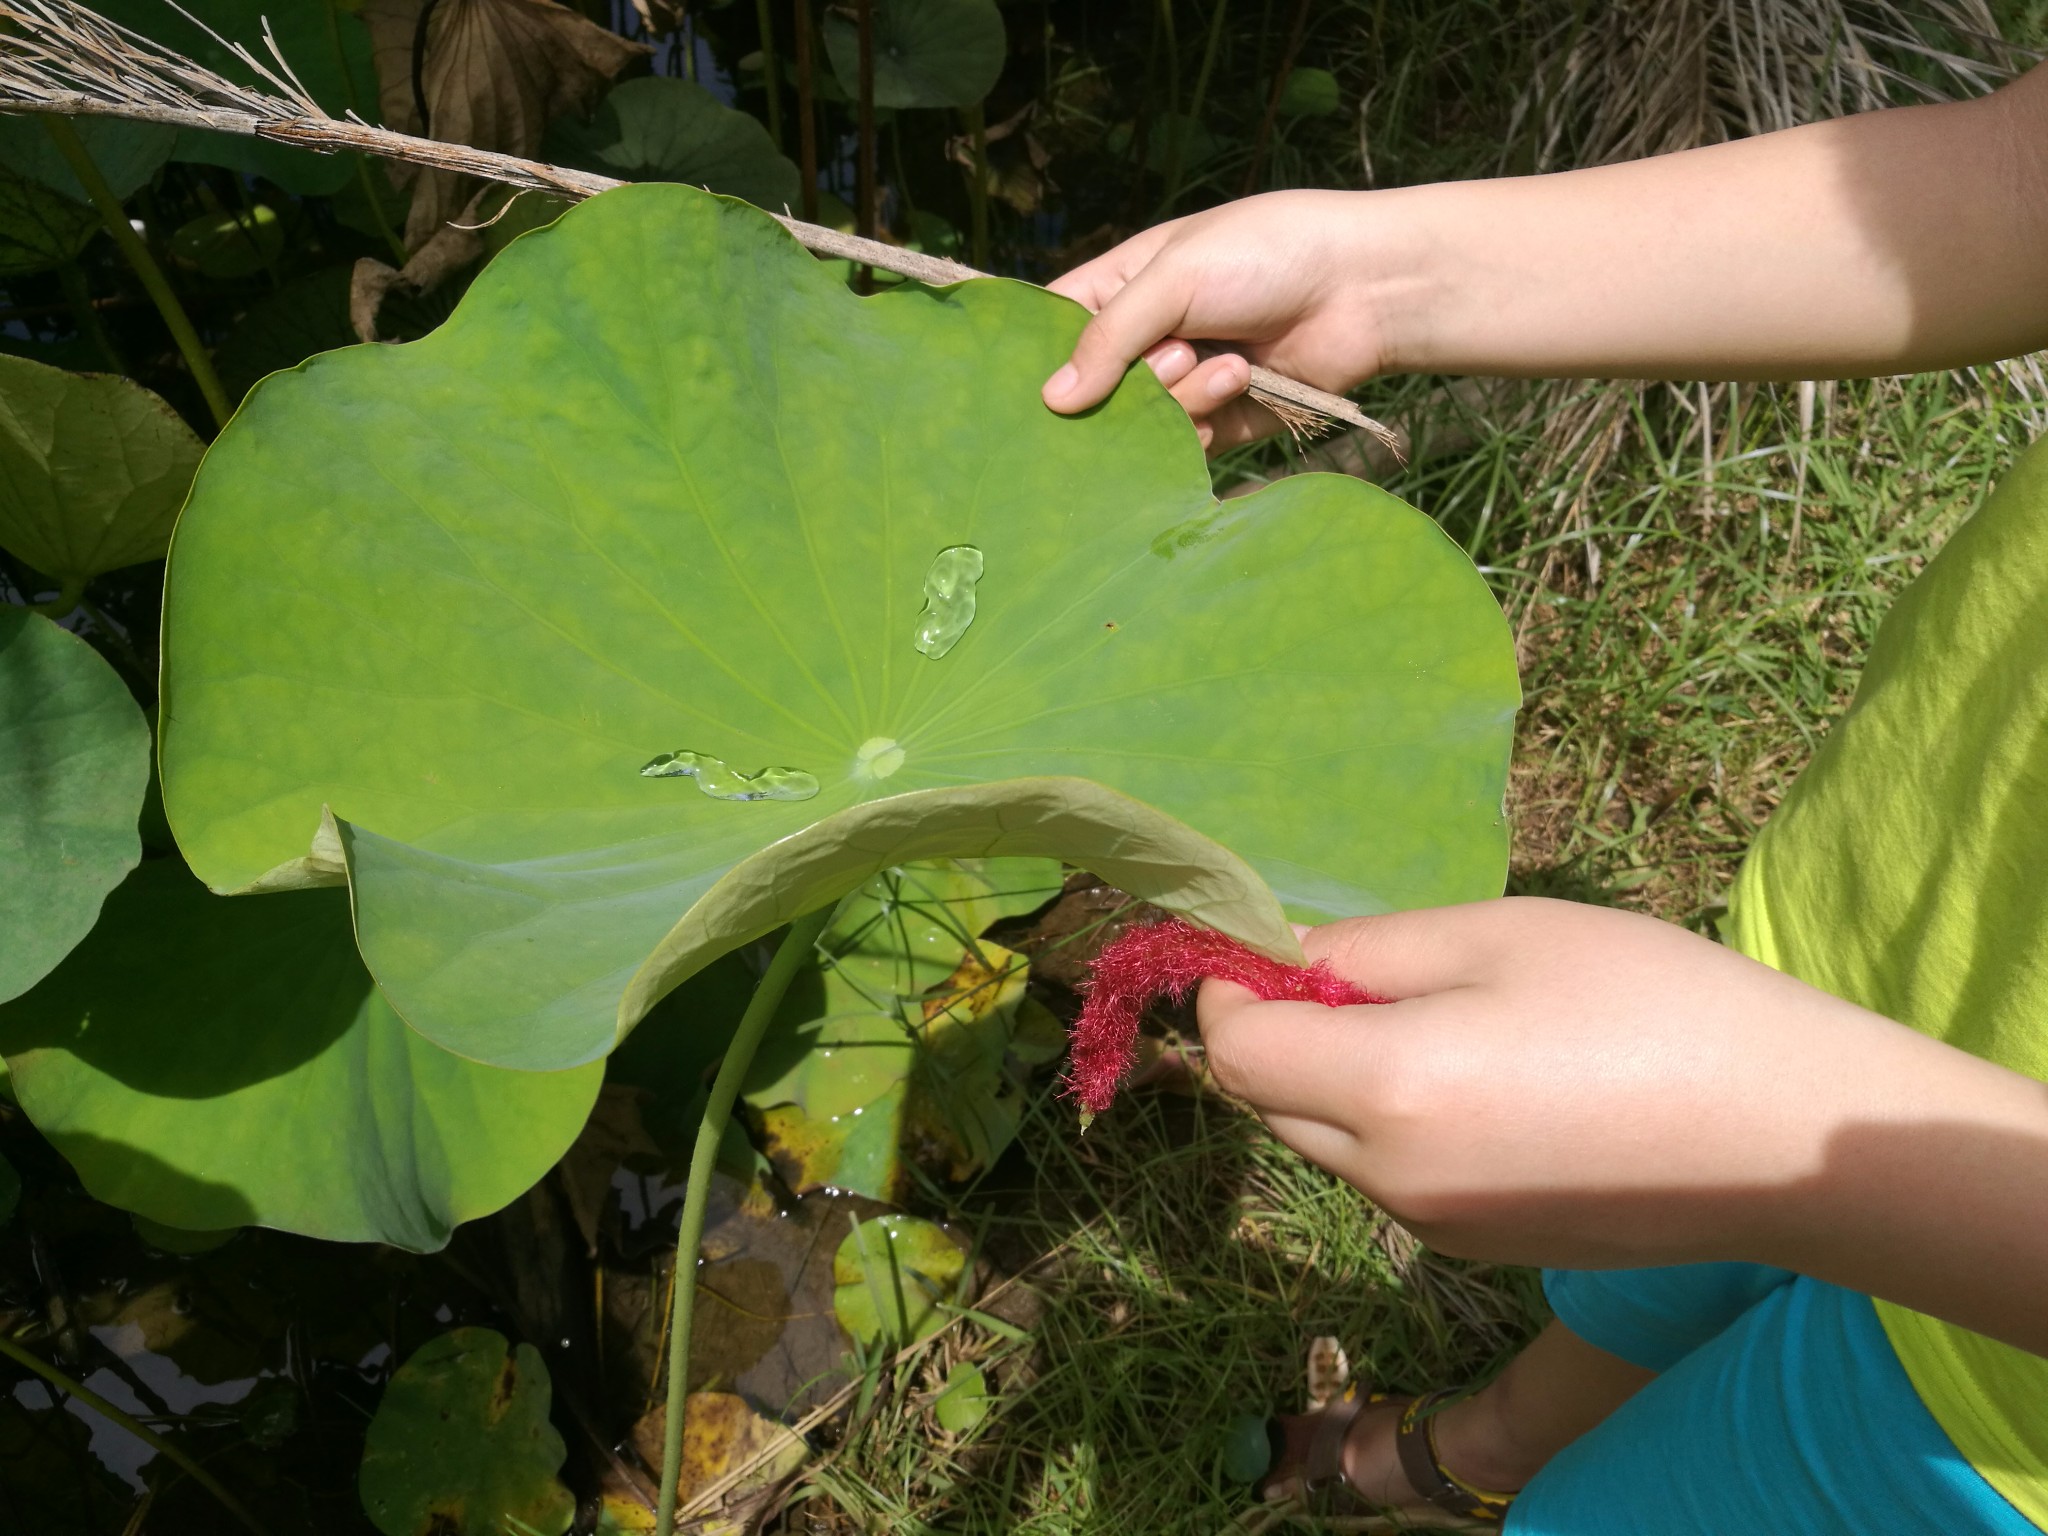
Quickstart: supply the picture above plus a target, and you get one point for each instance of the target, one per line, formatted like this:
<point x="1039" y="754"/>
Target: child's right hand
<point x="1284" y="275"/>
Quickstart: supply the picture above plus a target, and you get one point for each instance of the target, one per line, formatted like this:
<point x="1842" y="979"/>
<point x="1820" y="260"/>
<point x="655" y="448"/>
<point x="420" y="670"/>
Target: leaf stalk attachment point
<point x="795" y="949"/>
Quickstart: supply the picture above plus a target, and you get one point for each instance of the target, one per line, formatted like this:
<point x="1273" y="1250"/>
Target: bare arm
<point x="1888" y="242"/>
<point x="1585" y="1088"/>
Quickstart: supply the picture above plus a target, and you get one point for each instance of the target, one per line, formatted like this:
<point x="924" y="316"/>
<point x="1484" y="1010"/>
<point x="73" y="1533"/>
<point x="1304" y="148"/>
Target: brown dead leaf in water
<point x="450" y="249"/>
<point x="721" y="1434"/>
<point x="493" y="74"/>
<point x="613" y="1134"/>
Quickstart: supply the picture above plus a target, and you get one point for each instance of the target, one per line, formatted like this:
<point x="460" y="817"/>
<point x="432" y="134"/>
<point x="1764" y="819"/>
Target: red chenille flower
<point x="1169" y="959"/>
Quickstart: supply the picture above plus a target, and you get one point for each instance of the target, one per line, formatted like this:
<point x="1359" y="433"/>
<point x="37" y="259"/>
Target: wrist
<point x="1404" y="269"/>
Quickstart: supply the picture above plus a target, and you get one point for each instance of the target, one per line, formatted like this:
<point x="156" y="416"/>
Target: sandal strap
<point x="1415" y="1444"/>
<point x="1324" y="1465"/>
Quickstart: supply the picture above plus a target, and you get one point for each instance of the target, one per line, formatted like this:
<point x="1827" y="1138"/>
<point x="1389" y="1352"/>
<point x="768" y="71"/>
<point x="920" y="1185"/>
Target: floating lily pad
<point x="232" y="244"/>
<point x="94" y="467"/>
<point x="1310" y="92"/>
<point x="895" y="1055"/>
<point x="1247" y="1452"/>
<point x="326" y="46"/>
<point x="74" y="765"/>
<point x="461" y="1444"/>
<point x="965" y="1401"/>
<point x="128" y="154"/>
<point x="172" y="1058"/>
<point x="660" y="129"/>
<point x="662" y="485"/>
<point x="890" y="1276"/>
<point x="928" y="53"/>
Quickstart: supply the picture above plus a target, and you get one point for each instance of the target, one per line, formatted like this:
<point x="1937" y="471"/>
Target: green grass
<point x="1177" y="1260"/>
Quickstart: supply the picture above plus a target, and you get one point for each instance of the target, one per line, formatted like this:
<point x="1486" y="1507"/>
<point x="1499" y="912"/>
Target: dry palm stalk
<point x="56" y="56"/>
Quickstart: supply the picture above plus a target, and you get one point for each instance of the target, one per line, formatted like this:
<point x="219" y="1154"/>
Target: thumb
<point x="1149" y="308"/>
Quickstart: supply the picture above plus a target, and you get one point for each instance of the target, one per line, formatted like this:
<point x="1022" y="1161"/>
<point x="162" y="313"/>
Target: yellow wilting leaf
<point x="492" y="73"/>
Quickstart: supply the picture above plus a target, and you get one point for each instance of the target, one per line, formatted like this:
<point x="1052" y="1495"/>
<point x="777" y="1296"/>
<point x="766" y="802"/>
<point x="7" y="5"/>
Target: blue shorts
<point x="1780" y="1407"/>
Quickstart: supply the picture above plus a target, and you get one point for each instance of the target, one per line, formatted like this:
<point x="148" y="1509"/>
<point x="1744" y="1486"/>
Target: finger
<point x="1210" y="385"/>
<point x="1149" y="308"/>
<point x="1094" y="282"/>
<point x="1288" y="1058"/>
<point x="1172" y="361"/>
<point x="1241" y="421"/>
<point x="1412" y="954"/>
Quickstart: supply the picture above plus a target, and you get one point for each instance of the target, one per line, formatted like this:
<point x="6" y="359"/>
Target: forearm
<point x="1900" y="240"/>
<point x="1929" y="1189"/>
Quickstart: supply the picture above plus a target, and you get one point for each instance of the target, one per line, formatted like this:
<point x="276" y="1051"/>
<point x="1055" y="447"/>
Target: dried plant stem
<point x="30" y="1361"/>
<point x="64" y="58"/>
<point x="79" y="158"/>
<point x="725" y="1088"/>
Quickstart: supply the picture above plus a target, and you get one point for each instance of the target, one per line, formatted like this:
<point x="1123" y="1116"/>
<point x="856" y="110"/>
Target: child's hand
<point x="1570" y="1085"/>
<point x="1282" y="274"/>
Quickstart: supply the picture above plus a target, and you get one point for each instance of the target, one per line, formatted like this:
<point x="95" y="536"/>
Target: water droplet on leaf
<point x="721" y="782"/>
<point x="948" y="599"/>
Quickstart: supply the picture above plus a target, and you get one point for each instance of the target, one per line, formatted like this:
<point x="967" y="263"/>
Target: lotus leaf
<point x="127" y="154"/>
<point x="172" y="1058"/>
<point x="93" y="469"/>
<point x="928" y="53"/>
<point x="890" y="1276"/>
<point x="1310" y="92"/>
<point x="461" y="1444"/>
<point x="662" y="486"/>
<point x="40" y="228"/>
<point x="965" y="1400"/>
<point x="326" y="47"/>
<point x="236" y="243"/>
<point x="659" y="129"/>
<point x="74" y="764"/>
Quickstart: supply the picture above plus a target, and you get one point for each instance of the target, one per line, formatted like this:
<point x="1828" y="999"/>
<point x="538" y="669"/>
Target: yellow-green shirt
<point x="1908" y="872"/>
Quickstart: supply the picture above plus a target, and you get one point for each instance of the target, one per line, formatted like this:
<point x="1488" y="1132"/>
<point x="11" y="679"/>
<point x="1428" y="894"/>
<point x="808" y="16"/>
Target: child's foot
<point x="1463" y="1446"/>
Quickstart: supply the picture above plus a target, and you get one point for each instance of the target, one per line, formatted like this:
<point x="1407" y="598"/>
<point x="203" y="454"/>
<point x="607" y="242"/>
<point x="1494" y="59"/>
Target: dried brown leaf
<point x="493" y="74"/>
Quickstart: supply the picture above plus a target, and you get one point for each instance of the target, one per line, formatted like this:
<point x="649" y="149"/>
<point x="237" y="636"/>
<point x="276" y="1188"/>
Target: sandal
<point x="1326" y="1490"/>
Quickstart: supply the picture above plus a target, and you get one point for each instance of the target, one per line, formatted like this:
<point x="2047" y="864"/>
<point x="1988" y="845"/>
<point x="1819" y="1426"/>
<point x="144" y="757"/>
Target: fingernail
<point x="1061" y="384"/>
<point x="1225" y="384"/>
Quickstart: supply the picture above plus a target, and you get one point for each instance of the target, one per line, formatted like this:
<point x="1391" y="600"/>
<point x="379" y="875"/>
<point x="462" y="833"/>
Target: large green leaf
<point x="74" y="766"/>
<point x="212" y="1063"/>
<point x="659" y="129"/>
<point x="462" y="1446"/>
<point x="127" y="153"/>
<point x="928" y="53"/>
<point x="326" y="47"/>
<point x="662" y="485"/>
<point x="93" y="469"/>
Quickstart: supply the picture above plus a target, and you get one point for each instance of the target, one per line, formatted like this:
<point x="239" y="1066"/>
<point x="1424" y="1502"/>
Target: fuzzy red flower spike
<point x="1170" y="959"/>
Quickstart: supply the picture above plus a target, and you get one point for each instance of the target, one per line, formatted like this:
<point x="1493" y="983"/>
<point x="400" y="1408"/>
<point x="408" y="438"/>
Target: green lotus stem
<point x="64" y="603"/>
<point x="79" y="158"/>
<point x="725" y="1088"/>
<point x="30" y="1361"/>
<point x="977" y="194"/>
<point x="769" y="78"/>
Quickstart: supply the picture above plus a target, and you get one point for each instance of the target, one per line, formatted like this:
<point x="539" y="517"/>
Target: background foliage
<point x="1692" y="573"/>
